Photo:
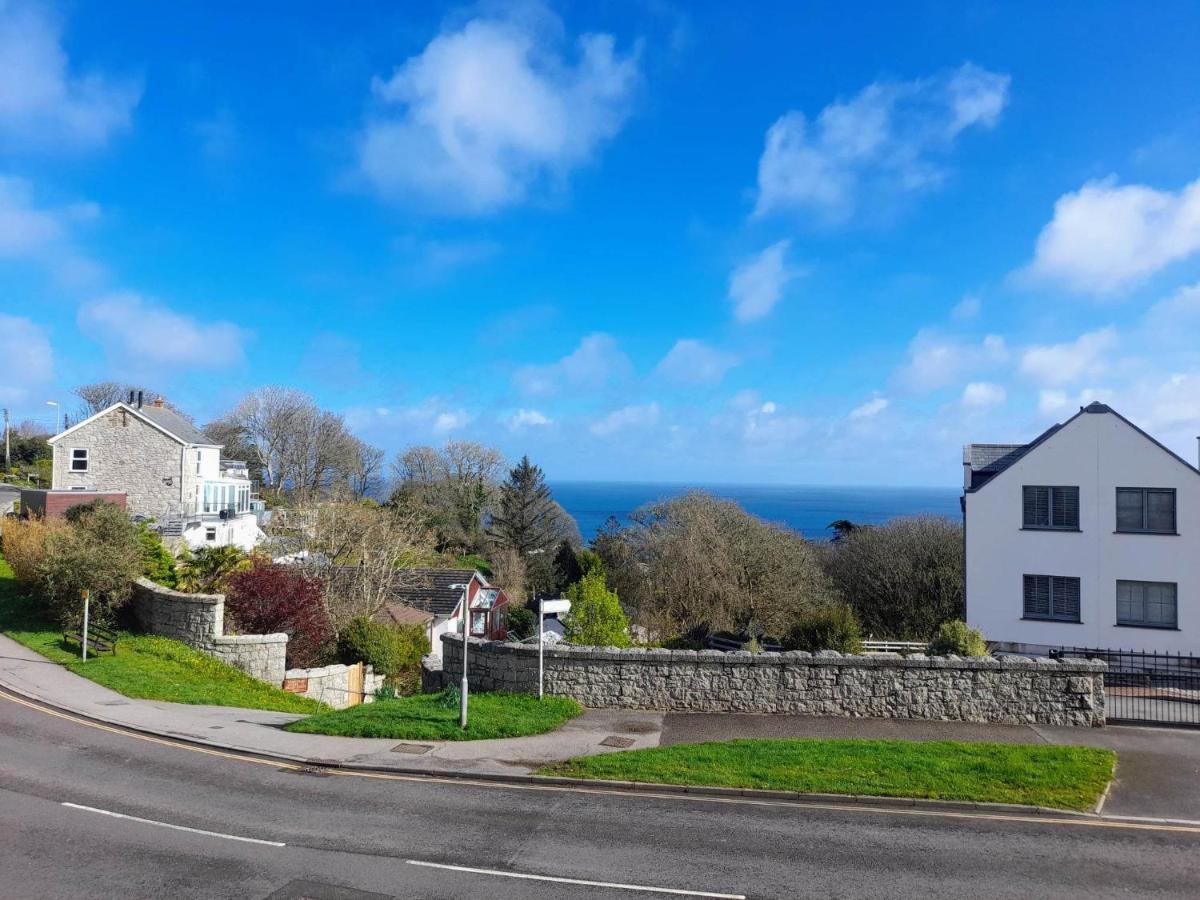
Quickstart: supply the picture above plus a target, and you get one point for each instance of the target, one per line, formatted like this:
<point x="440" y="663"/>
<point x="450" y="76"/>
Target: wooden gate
<point x="354" y="684"/>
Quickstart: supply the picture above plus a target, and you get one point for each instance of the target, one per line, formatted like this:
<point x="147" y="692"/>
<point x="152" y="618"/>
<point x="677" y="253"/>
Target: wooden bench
<point x="99" y="639"/>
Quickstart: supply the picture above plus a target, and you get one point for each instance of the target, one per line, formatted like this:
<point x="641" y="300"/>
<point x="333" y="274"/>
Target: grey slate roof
<point x="173" y="422"/>
<point x="986" y="461"/>
<point x="431" y="590"/>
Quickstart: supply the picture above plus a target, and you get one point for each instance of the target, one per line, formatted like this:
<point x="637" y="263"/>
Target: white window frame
<point x="86" y="459"/>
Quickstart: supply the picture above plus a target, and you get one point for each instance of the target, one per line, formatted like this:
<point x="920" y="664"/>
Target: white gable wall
<point x="1098" y="452"/>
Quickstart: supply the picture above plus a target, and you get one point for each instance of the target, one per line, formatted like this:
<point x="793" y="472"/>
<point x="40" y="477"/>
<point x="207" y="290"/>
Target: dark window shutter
<point x="1065" y="511"/>
<point x="1160" y="510"/>
<point x="1036" y="501"/>
<point x="1066" y="598"/>
<point x="1037" y="596"/>
<point x="1129" y="509"/>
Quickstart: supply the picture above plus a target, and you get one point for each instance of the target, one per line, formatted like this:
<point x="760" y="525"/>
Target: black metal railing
<point x="1144" y="687"/>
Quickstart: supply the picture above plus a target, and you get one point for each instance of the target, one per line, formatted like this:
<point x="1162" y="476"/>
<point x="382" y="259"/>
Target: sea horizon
<point x="808" y="509"/>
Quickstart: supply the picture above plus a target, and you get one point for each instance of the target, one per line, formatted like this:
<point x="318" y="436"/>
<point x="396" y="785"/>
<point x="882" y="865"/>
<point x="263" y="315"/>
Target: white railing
<point x="869" y="647"/>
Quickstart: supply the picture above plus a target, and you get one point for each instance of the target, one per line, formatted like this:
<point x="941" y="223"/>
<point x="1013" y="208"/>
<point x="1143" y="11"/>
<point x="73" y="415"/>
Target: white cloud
<point x="982" y="394"/>
<point x="527" y="418"/>
<point x="1051" y="402"/>
<point x="43" y="105"/>
<point x="870" y="408"/>
<point x="1060" y="364"/>
<point x="41" y="234"/>
<point x="937" y="362"/>
<point x="486" y="113"/>
<point x="28" y="359"/>
<point x="881" y="143"/>
<point x="1106" y="236"/>
<point x="596" y="361"/>
<point x="431" y="259"/>
<point x="694" y="362"/>
<point x="757" y="284"/>
<point x="137" y="331"/>
<point x="967" y="308"/>
<point x="634" y="416"/>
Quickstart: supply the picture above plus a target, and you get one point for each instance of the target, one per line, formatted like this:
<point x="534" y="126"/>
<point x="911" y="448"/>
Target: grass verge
<point x="434" y="717"/>
<point x="144" y="667"/>
<point x="1036" y="775"/>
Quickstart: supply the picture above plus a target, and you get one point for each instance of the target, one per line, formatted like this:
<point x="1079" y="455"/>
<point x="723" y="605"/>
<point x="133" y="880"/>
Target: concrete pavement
<point x="89" y="813"/>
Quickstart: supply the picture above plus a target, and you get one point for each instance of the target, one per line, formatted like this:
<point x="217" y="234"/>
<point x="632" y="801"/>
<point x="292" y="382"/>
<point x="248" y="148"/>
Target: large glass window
<point x="1050" y="507"/>
<point x="1053" y="597"/>
<point x="1149" y="510"/>
<point x="1148" y="604"/>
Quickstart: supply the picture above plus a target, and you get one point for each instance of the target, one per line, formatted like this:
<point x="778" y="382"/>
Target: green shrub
<point x="394" y="651"/>
<point x="959" y="639"/>
<point x="832" y="626"/>
<point x="596" y="618"/>
<point x="157" y="562"/>
<point x="206" y="570"/>
<point x="522" y="622"/>
<point x="99" y="552"/>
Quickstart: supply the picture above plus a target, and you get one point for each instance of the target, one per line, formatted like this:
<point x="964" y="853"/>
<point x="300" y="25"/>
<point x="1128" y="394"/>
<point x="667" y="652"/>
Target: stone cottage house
<point x="168" y="469"/>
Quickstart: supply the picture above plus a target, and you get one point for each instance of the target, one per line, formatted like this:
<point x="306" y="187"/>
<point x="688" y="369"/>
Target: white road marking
<point x="216" y="834"/>
<point x="557" y="880"/>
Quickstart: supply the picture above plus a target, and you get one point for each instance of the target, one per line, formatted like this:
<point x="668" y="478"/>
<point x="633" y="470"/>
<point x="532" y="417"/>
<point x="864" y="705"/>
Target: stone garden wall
<point x="1010" y="690"/>
<point x="331" y="684"/>
<point x="199" y="621"/>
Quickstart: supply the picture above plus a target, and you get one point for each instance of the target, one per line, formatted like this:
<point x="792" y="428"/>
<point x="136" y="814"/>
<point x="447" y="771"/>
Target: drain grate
<point x="616" y="741"/>
<point x="415" y="749"/>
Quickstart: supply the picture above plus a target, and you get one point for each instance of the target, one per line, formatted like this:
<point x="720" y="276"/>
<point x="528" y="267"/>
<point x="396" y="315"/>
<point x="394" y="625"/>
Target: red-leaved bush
<point x="269" y="598"/>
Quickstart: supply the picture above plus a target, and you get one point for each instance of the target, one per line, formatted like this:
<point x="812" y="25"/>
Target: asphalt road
<point x="351" y="837"/>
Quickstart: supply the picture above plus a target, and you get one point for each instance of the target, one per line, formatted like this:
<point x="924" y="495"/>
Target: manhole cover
<point x="615" y="741"/>
<point x="412" y="748"/>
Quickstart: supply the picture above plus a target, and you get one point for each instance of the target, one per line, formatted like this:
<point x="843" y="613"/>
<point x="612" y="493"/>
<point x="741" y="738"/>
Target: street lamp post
<point x="58" y="415"/>
<point x="466" y="636"/>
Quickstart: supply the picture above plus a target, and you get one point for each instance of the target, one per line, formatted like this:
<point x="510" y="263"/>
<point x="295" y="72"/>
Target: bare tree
<point x="101" y="395"/>
<point x="366" y="470"/>
<point x="300" y="447"/>
<point x="363" y="554"/>
<point x="509" y="573"/>
<point x="451" y="488"/>
<point x="697" y="563"/>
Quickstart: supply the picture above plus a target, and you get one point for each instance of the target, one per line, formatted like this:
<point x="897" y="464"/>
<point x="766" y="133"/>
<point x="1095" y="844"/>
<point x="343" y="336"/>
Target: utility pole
<point x="7" y="452"/>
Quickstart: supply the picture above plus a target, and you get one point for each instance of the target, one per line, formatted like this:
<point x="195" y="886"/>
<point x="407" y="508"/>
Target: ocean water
<point x="806" y="508"/>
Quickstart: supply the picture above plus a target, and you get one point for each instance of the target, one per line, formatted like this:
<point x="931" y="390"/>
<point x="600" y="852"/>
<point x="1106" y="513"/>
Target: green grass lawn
<point x="432" y="717"/>
<point x="1037" y="775"/>
<point x="144" y="667"/>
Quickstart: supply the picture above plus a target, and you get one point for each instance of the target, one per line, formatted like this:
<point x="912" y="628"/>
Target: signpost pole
<point x="554" y="607"/>
<point x="541" y="641"/>
<point x="87" y="596"/>
<point x="464" y="688"/>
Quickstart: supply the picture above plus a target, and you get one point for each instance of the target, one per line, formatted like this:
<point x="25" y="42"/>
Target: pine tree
<point x="525" y="515"/>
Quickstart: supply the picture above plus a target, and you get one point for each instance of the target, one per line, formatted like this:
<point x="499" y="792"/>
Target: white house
<point x="169" y="470"/>
<point x="1086" y="537"/>
<point x="435" y="598"/>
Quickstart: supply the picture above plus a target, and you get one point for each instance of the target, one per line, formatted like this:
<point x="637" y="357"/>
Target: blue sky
<point x="818" y="243"/>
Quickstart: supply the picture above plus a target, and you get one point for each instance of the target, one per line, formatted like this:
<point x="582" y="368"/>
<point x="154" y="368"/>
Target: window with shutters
<point x="1148" y="604"/>
<point x="1050" y="507"/>
<point x="1054" y="597"/>
<point x="1146" y="510"/>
